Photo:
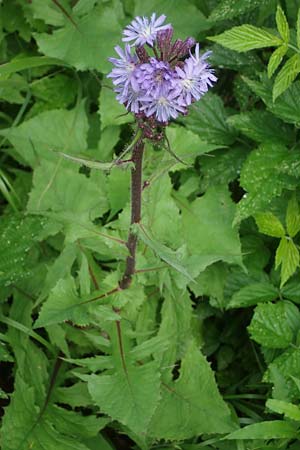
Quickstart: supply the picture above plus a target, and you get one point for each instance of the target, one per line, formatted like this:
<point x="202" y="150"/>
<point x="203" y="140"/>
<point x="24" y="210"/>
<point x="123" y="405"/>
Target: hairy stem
<point x="136" y="203"/>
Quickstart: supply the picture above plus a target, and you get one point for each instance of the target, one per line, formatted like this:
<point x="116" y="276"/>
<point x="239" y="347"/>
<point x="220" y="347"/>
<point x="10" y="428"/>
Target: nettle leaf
<point x="131" y="393"/>
<point x="246" y="37"/>
<point x="262" y="126"/>
<point x="262" y="179"/>
<point x="286" y="76"/>
<point x="275" y="429"/>
<point x="288" y="366"/>
<point x="271" y="326"/>
<point x="208" y="119"/>
<point x="286" y="106"/>
<point x="18" y="237"/>
<point x="269" y="224"/>
<point x="191" y="405"/>
<point x="253" y="294"/>
<point x="222" y="168"/>
<point x="282" y="24"/>
<point x="212" y="216"/>
<point x="289" y="410"/>
<point x="276" y="58"/>
<point x="228" y="9"/>
<point x="287" y="255"/>
<point x="86" y="43"/>
<point x="293" y="217"/>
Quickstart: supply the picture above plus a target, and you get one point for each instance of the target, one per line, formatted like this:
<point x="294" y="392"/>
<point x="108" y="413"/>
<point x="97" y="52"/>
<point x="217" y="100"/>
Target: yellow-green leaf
<point x="286" y="76"/>
<point x="269" y="224"/>
<point x="246" y="37"/>
<point x="282" y="24"/>
<point x="276" y="59"/>
<point x="287" y="255"/>
<point x="293" y="217"/>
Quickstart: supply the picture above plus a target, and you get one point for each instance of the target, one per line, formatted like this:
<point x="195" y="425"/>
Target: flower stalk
<point x="136" y="207"/>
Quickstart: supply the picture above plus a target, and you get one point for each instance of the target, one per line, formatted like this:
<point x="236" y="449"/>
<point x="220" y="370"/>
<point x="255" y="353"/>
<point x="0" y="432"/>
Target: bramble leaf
<point x="269" y="224"/>
<point x="246" y="37"/>
<point x="287" y="255"/>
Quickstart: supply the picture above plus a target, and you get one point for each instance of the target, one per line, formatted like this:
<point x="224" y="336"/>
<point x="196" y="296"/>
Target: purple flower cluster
<point x="155" y="77"/>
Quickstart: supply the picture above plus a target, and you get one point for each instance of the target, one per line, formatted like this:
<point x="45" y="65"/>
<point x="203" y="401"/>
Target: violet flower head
<point x="155" y="78"/>
<point x="143" y="30"/>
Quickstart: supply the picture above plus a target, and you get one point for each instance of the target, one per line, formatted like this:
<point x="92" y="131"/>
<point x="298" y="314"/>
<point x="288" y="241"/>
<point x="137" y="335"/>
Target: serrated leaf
<point x="131" y="393"/>
<point x="208" y="119"/>
<point x="270" y="325"/>
<point x="269" y="224"/>
<point x="246" y="37"/>
<point x="288" y="366"/>
<point x="286" y="106"/>
<point x="211" y="215"/>
<point x="262" y="126"/>
<point x="28" y="63"/>
<point x="282" y="24"/>
<point x="191" y="405"/>
<point x="286" y="76"/>
<point x="18" y="236"/>
<point x="293" y="217"/>
<point x="275" y="429"/>
<point x="86" y="44"/>
<point x="287" y="255"/>
<point x="276" y="58"/>
<point x="228" y="9"/>
<point x="289" y="410"/>
<point x="57" y="428"/>
<point x="253" y="294"/>
<point x="166" y="254"/>
<point x="262" y="179"/>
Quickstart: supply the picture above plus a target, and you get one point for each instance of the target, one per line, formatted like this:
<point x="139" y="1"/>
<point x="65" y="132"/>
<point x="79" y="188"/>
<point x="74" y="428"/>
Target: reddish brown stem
<point x="136" y="204"/>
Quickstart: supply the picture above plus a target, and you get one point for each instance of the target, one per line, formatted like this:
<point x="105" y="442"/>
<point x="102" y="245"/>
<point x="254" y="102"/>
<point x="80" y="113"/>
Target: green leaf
<point x="211" y="215"/>
<point x="270" y="325"/>
<point x="18" y="238"/>
<point x="191" y="405"/>
<point x="289" y="410"/>
<point x="287" y="254"/>
<point x="28" y="63"/>
<point x="269" y="224"/>
<point x="275" y="429"/>
<point x="288" y="366"/>
<point x="63" y="304"/>
<point x="262" y="179"/>
<point x="57" y="429"/>
<point x="208" y="119"/>
<point x="111" y="112"/>
<point x="187" y="144"/>
<point x="163" y="252"/>
<point x="246" y="37"/>
<point x="276" y="58"/>
<point x="253" y="294"/>
<point x="286" y="76"/>
<point x="228" y="9"/>
<point x="282" y="24"/>
<point x="293" y="217"/>
<point x="185" y="17"/>
<point x="262" y="126"/>
<point x="57" y="130"/>
<point x="291" y="290"/>
<point x="286" y="106"/>
<point x="86" y="44"/>
<point x="131" y="393"/>
<point x="47" y="11"/>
